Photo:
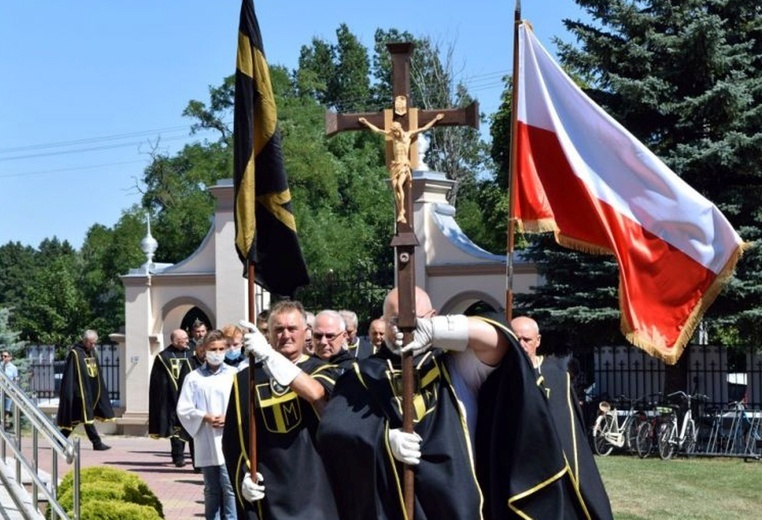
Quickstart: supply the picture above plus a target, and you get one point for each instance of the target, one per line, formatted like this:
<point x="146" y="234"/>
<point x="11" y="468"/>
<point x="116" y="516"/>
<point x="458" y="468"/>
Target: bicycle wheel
<point x="644" y="441"/>
<point x="631" y="432"/>
<point x="668" y="440"/>
<point x="603" y="425"/>
<point x="691" y="437"/>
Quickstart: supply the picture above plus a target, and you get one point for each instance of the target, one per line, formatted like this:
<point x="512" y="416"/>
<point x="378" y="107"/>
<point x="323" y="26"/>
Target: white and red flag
<point x="583" y="176"/>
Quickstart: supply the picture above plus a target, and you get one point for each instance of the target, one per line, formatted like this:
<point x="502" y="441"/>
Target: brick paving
<point x="180" y="490"/>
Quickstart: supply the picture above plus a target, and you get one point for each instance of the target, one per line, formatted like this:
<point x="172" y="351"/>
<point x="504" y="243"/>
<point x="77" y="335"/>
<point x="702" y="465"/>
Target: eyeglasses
<point x="318" y="336"/>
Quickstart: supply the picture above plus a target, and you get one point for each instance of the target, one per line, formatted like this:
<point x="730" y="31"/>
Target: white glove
<point x="280" y="367"/>
<point x="255" y="342"/>
<point x="447" y="332"/>
<point x="253" y="491"/>
<point x="406" y="447"/>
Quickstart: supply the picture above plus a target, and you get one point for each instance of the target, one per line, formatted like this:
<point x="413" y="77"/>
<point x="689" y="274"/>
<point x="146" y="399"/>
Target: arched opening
<point x="190" y="318"/>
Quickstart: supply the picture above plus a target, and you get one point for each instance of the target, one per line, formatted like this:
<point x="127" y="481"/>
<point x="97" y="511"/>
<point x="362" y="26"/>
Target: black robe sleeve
<point x="521" y="460"/>
<point x="350" y="449"/>
<point x="352" y="439"/>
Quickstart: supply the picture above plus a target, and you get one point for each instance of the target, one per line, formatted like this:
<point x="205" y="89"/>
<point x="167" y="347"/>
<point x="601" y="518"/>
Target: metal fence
<point x="44" y="377"/>
<point x="628" y="371"/>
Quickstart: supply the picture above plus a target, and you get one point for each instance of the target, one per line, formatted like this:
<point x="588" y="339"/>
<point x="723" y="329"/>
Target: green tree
<point x="339" y="186"/>
<point x="9" y="340"/>
<point x="106" y="255"/>
<point x="55" y="311"/>
<point x="16" y="264"/>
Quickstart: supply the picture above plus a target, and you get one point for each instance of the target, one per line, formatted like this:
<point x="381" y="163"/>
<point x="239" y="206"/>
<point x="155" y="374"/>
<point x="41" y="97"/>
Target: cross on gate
<point x="401" y="127"/>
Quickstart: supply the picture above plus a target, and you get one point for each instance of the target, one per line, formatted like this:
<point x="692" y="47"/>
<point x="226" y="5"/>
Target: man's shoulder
<point x="307" y="361"/>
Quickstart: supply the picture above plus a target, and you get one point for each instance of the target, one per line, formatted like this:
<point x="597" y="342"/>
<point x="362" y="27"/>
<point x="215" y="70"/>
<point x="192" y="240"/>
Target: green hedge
<point x="108" y="493"/>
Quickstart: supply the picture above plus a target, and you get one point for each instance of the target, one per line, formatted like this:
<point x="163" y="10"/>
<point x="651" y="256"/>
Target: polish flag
<point x="583" y="176"/>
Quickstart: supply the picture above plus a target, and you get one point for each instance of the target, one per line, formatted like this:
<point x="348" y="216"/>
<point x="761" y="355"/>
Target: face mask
<point x="215" y="358"/>
<point x="232" y="355"/>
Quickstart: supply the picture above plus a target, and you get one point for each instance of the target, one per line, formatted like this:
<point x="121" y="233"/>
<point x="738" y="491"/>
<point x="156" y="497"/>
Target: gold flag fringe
<point x="644" y="341"/>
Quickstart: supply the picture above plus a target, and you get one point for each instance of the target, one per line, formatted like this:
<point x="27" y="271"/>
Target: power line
<point x="475" y="83"/>
<point x="80" y="150"/>
<point x="74" y="168"/>
<point x="89" y="140"/>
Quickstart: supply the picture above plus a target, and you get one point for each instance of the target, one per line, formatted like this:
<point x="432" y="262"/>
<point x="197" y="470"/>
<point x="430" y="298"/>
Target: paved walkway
<point x="180" y="490"/>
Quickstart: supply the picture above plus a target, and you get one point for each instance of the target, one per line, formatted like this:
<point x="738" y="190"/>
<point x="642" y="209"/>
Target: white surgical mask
<point x="215" y="358"/>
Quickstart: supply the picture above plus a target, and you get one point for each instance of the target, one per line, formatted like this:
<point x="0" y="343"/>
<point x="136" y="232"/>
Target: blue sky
<point x="87" y="88"/>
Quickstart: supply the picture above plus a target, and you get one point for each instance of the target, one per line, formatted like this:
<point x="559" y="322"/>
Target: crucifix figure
<point x="400" y="125"/>
<point x="399" y="169"/>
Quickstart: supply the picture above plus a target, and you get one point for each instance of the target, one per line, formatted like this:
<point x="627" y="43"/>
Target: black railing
<point x="44" y="376"/>
<point x="626" y="370"/>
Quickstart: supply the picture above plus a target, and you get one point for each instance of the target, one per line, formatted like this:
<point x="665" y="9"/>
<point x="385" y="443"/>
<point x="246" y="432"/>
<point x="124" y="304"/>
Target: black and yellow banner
<point x="265" y="229"/>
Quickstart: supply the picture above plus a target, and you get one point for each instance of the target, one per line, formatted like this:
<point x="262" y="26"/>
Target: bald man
<point x="376" y="333"/>
<point x="555" y="382"/>
<point x="475" y="392"/>
<point x="360" y="436"/>
<point x="528" y="333"/>
<point x="168" y="372"/>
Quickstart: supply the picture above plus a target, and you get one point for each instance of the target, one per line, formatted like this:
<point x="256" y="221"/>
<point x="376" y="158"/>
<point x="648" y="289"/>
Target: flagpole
<point x="512" y="167"/>
<point x="252" y="382"/>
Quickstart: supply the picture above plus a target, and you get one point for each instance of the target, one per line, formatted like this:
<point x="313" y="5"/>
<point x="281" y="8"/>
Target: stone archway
<point x="194" y="315"/>
<point x="181" y="312"/>
<point x="461" y="303"/>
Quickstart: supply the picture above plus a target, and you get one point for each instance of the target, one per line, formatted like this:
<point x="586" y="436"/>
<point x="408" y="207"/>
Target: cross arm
<point x="467" y="116"/>
<point x="335" y="123"/>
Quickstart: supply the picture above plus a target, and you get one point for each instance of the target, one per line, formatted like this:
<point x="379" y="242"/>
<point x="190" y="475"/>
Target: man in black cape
<point x="553" y="474"/>
<point x="83" y="397"/>
<point x="169" y="369"/>
<point x="360" y="435"/>
<point x="329" y="340"/>
<point x="521" y="463"/>
<point x="289" y="482"/>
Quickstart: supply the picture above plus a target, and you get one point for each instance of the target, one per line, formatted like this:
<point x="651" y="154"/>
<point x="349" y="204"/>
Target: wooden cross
<point x="401" y="126"/>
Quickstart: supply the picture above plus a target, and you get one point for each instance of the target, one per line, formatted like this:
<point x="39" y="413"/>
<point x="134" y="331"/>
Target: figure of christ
<point x="400" y="168"/>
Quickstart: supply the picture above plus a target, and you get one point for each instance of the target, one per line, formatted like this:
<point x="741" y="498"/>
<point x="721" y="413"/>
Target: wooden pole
<point x="411" y="121"/>
<point x="252" y="383"/>
<point x="512" y="186"/>
<point x="404" y="248"/>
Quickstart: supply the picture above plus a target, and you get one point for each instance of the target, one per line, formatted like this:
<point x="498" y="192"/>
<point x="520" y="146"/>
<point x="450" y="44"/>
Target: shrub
<point x="101" y="485"/>
<point x="93" y="510"/>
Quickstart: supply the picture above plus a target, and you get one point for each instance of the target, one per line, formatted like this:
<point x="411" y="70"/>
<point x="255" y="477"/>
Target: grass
<point x="686" y="489"/>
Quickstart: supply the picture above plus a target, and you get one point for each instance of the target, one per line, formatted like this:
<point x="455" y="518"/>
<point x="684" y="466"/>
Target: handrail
<point x="40" y="423"/>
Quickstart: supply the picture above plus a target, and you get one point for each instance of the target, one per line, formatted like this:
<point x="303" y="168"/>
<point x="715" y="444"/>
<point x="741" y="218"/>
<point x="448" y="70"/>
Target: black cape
<point x="83" y="396"/>
<point x="366" y="479"/>
<point x="533" y="459"/>
<point x="565" y="408"/>
<point x="296" y="485"/>
<point x="343" y="361"/>
<point x="361" y="349"/>
<point x="169" y="369"/>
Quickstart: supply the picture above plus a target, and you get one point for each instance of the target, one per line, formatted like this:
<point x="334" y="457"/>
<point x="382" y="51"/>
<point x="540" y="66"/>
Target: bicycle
<point x="675" y="437"/>
<point x="608" y="433"/>
<point x="648" y="431"/>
